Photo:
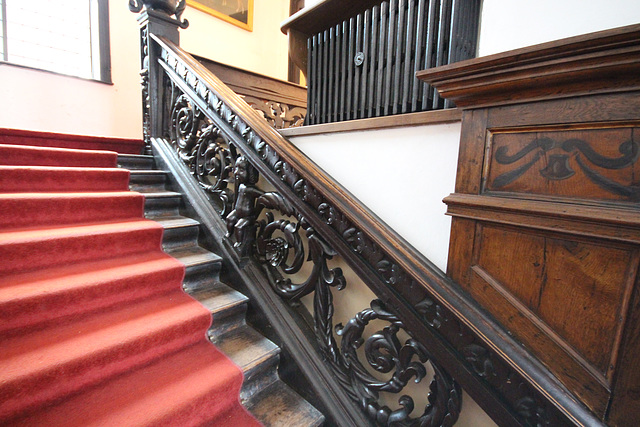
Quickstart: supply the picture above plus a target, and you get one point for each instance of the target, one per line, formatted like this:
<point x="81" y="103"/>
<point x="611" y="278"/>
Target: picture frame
<point x="236" y="12"/>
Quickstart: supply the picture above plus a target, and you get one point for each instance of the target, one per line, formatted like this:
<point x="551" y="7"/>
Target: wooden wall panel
<point x="546" y="214"/>
<point x="596" y="163"/>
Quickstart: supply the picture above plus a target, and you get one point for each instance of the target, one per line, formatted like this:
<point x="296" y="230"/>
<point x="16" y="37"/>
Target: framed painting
<point x="236" y="12"/>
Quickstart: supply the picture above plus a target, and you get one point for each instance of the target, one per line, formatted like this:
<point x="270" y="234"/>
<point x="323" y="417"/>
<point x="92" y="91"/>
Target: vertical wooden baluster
<point x="420" y="52"/>
<point x="373" y="56"/>
<point x="384" y="29"/>
<point x="357" y="70"/>
<point x="352" y="33"/>
<point x="330" y="72"/>
<point x="308" y="120"/>
<point x="336" y="71"/>
<point x="393" y="12"/>
<point x="343" y="64"/>
<point x="443" y="44"/>
<point x="432" y="40"/>
<point x="410" y="53"/>
<point x="397" y="71"/>
<point x="318" y="66"/>
<point x="324" y="73"/>
<point x="312" y="110"/>
<point x="364" y="68"/>
<point x="316" y="82"/>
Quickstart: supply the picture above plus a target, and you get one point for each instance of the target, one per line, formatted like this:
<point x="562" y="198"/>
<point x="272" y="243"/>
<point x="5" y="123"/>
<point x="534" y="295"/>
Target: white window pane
<point x="52" y="35"/>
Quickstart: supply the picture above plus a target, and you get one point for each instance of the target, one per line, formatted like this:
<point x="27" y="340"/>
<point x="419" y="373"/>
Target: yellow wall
<point x="264" y="50"/>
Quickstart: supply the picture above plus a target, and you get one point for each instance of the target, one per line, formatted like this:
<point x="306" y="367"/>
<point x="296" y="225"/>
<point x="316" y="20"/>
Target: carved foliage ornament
<point x="283" y="255"/>
<point x="264" y="225"/>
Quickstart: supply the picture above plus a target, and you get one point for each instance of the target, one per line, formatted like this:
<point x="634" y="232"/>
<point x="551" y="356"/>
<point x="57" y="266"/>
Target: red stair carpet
<point x="94" y="326"/>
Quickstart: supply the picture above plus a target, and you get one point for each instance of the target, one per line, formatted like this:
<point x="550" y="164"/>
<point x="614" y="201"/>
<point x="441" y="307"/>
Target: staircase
<point x="94" y="323"/>
<point x="262" y="392"/>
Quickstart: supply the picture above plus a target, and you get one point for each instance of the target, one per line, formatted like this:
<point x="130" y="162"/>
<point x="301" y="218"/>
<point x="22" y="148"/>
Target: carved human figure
<point x="242" y="219"/>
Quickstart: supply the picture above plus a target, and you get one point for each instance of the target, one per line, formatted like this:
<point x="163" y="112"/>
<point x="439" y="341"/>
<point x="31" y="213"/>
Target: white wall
<point x="401" y="174"/>
<point x="509" y="24"/>
<point x="42" y="101"/>
<point x="37" y="100"/>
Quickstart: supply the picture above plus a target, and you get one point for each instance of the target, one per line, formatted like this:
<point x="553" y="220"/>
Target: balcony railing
<point x="365" y="66"/>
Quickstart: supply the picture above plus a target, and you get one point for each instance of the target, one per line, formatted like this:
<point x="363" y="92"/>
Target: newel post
<point x="160" y="18"/>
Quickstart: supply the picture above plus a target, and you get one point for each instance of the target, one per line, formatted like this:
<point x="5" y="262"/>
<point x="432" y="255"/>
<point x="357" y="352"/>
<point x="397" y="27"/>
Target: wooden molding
<point x="602" y="62"/>
<point x="401" y="120"/>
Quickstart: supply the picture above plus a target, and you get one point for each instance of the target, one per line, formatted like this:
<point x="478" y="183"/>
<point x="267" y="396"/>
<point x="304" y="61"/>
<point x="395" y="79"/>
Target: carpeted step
<point x="33" y="248"/>
<point x="17" y="179"/>
<point x="83" y="142"/>
<point x="19" y="155"/>
<point x="188" y="388"/>
<point x="38" y="209"/>
<point x="94" y="325"/>
<point x="41" y="298"/>
<point x="48" y="365"/>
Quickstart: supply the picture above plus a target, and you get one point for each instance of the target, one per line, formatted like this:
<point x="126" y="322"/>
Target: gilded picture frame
<point x="236" y="12"/>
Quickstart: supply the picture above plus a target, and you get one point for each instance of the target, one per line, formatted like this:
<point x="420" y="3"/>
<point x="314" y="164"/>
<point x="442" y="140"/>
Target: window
<point x="64" y="36"/>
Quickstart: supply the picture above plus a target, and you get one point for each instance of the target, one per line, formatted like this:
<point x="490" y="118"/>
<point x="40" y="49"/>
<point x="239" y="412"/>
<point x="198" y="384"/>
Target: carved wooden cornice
<point x="602" y="62"/>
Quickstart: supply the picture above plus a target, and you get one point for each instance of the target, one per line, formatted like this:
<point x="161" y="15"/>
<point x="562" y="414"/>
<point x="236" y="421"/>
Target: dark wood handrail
<point x="459" y="335"/>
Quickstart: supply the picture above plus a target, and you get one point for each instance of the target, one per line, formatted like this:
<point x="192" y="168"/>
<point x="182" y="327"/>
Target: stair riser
<point x="151" y="178"/>
<point x="259" y="378"/>
<point x="180" y="237"/>
<point x="28" y="179"/>
<point x="162" y="206"/>
<point x="136" y="162"/>
<point x="41" y="156"/>
<point x="61" y="209"/>
<point x="201" y="273"/>
<point x="41" y="252"/>
<point x="33" y="311"/>
<point x="226" y="321"/>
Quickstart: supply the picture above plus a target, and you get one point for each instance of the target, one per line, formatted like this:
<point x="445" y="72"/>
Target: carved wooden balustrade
<point x="278" y="216"/>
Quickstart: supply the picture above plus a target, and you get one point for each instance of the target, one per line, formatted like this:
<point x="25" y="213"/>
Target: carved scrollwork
<point x="204" y="149"/>
<point x="278" y="114"/>
<point x="385" y="353"/>
<point x="264" y="225"/>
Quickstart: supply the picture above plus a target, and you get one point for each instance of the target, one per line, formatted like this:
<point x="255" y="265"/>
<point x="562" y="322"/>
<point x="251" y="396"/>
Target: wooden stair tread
<point x="279" y="406"/>
<point x="246" y="347"/>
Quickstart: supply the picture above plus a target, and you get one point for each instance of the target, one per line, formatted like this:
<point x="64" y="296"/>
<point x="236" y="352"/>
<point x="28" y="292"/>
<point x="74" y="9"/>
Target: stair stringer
<point x="270" y="314"/>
